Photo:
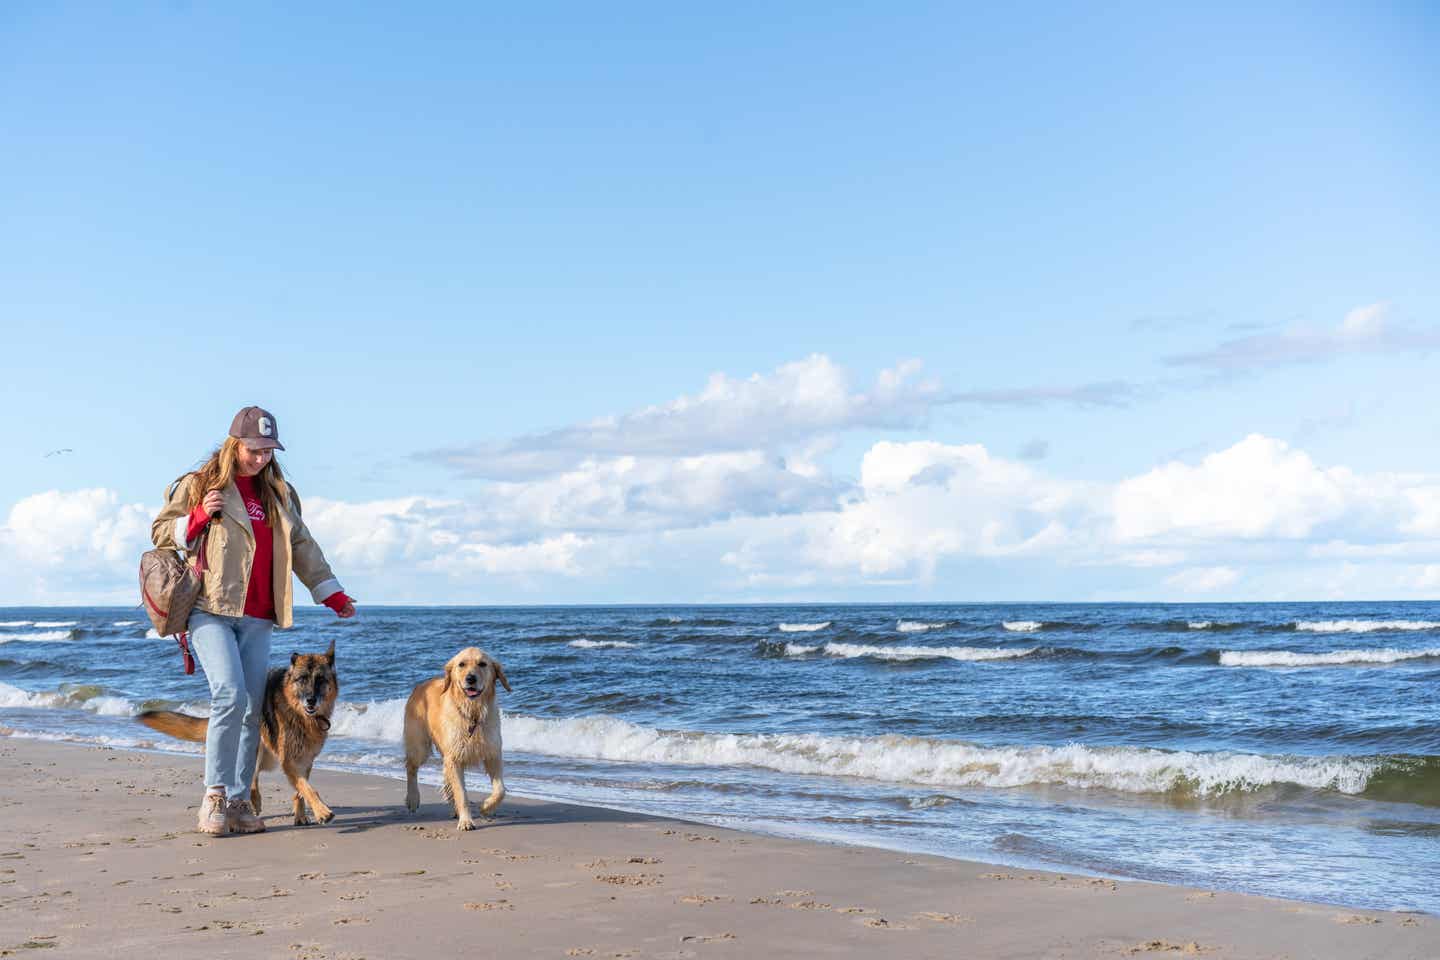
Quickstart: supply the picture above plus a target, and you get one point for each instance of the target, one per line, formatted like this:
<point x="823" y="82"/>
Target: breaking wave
<point x="919" y="626"/>
<point x="1022" y="626"/>
<point x="928" y="761"/>
<point x="48" y="636"/>
<point x="1363" y="626"/>
<point x="87" y="697"/>
<point x="853" y="650"/>
<point x="803" y="627"/>
<point x="1289" y="658"/>
<point x="585" y="644"/>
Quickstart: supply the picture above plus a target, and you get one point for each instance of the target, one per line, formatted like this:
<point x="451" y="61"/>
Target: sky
<point x="644" y="304"/>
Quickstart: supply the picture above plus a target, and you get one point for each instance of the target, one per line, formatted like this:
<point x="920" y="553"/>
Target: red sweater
<point x="260" y="594"/>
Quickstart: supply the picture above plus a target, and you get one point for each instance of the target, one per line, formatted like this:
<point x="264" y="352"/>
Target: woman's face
<point x="250" y="462"/>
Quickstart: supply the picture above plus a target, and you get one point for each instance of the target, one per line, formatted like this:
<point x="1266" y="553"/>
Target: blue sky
<point x="439" y="242"/>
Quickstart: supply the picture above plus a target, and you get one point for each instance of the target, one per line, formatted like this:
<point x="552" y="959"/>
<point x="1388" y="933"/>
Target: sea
<point x="1289" y="749"/>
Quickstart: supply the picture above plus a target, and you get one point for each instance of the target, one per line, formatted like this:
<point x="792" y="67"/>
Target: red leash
<point x="184" y="640"/>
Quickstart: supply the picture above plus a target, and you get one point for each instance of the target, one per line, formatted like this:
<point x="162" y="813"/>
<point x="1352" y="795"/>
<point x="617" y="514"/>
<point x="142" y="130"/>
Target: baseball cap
<point x="256" y="427"/>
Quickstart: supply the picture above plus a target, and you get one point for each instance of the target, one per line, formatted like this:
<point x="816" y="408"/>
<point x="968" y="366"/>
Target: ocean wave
<point x="55" y="623"/>
<point x="1022" y="626"/>
<point x="1199" y="624"/>
<point x="49" y="636"/>
<point x="1290" y="658"/>
<point x="897" y="759"/>
<point x="375" y="720"/>
<point x="852" y="650"/>
<point x="1363" y="626"/>
<point x="84" y="698"/>
<point x="125" y="623"/>
<point x="919" y="626"/>
<point x="161" y="743"/>
<point x="153" y="634"/>
<point x="803" y="627"/>
<point x="937" y="762"/>
<point x="15" y="623"/>
<point x="695" y="622"/>
<point x="585" y="644"/>
<point x="927" y="761"/>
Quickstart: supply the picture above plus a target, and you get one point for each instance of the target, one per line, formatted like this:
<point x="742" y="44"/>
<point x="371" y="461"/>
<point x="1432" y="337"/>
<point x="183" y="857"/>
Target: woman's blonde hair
<point x="220" y="469"/>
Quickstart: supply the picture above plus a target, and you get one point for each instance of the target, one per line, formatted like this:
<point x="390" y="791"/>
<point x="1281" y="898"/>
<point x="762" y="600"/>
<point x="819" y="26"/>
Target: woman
<point x="250" y="518"/>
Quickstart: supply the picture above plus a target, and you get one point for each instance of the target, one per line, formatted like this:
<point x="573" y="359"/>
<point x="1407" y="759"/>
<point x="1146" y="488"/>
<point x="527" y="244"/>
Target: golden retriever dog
<point x="295" y="720"/>
<point x="455" y="713"/>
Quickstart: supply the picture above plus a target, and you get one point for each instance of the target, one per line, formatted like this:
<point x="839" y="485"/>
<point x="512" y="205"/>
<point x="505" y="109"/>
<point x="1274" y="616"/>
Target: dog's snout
<point x="470" y="679"/>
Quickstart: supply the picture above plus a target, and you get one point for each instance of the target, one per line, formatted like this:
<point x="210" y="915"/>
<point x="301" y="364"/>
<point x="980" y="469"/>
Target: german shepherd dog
<point x="295" y="719"/>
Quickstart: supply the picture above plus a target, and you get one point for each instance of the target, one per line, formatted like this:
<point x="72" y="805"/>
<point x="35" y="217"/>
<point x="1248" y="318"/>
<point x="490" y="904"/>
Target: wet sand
<point x="98" y="857"/>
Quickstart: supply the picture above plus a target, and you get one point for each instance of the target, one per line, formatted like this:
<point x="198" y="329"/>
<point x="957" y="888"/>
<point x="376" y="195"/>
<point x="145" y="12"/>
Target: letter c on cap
<point x="265" y="428"/>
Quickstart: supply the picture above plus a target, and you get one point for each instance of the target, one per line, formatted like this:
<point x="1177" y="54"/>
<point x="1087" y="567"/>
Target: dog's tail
<point x="179" y="725"/>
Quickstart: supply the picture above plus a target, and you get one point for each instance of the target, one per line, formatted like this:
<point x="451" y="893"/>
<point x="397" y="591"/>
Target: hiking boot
<point x="241" y="817"/>
<point x="212" y="815"/>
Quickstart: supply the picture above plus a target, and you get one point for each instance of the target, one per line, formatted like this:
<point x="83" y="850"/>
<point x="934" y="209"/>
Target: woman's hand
<point x="347" y="611"/>
<point x="213" y="501"/>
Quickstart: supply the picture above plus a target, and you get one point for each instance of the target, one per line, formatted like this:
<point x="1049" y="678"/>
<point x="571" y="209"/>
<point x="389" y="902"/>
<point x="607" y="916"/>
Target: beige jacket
<point x="230" y="551"/>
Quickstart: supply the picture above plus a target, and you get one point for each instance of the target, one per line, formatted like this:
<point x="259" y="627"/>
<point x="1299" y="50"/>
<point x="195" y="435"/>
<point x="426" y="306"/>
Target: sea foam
<point x="896" y="759"/>
<point x="853" y="650"/>
<point x="803" y="627"/>
<point x="935" y="762"/>
<point x="48" y="636"/>
<point x="919" y="626"/>
<point x="1363" y="626"/>
<point x="585" y="644"/>
<point x="1289" y="658"/>
<point x="1022" y="626"/>
<point x="84" y="699"/>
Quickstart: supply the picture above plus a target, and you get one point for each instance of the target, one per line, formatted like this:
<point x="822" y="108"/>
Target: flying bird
<point x="53" y="453"/>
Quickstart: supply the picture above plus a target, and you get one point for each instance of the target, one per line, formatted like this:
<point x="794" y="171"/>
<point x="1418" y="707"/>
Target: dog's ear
<point x="449" y="675"/>
<point x="500" y="675"/>
<point x="330" y="654"/>
<point x="293" y="658"/>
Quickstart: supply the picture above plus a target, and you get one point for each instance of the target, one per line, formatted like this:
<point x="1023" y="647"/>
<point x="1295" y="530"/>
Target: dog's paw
<point x="466" y="824"/>
<point x="327" y="816"/>
<point x="303" y="820"/>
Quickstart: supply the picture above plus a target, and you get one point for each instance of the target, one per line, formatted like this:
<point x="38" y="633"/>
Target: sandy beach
<point x="99" y="857"/>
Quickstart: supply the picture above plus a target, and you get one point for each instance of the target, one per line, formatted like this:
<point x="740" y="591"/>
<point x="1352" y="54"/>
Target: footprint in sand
<point x="952" y="918"/>
<point x="1166" y="946"/>
<point x="700" y="899"/>
<point x="632" y="879"/>
<point x="808" y="905"/>
<point x="707" y="938"/>
<point x="490" y="905"/>
<point x="1355" y="918"/>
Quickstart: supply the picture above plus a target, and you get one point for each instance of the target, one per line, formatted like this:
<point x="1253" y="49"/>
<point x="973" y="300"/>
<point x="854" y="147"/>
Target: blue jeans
<point x="235" y="654"/>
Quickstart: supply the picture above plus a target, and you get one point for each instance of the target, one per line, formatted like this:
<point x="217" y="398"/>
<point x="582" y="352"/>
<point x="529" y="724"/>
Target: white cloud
<point x="78" y="546"/>
<point x="790" y="405"/>
<point x="1363" y="330"/>
<point x="1203" y="579"/>
<point x="1257" y="488"/>
<point x="1426" y="579"/>
<point x="919" y="503"/>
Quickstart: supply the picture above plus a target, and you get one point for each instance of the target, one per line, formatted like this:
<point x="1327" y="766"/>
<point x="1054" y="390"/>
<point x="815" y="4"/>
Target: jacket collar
<point x="234" y="508"/>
